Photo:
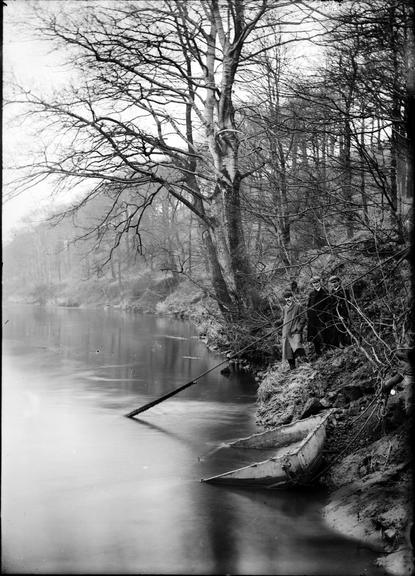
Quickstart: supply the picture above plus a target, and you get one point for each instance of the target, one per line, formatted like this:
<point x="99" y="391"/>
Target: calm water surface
<point x="85" y="490"/>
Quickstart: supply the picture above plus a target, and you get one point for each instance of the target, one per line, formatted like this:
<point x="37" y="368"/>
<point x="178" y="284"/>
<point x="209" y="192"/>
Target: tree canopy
<point x="271" y="122"/>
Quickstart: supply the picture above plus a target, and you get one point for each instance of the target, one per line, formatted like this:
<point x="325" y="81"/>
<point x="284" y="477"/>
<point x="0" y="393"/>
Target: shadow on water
<point x="179" y="437"/>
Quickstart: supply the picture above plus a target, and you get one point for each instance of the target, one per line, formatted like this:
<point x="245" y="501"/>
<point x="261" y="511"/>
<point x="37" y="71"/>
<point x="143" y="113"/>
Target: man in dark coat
<point x="318" y="316"/>
<point x="292" y="330"/>
<point x="339" y="305"/>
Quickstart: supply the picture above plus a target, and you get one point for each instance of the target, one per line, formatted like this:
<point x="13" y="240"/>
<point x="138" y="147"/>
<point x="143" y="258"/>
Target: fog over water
<point x="85" y="490"/>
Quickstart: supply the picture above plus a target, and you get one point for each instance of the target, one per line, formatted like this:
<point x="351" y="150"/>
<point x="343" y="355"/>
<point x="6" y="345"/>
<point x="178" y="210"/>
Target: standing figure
<point x="292" y="330"/>
<point x="318" y="316"/>
<point x="339" y="303"/>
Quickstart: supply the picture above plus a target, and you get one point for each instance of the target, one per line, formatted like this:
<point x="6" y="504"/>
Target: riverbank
<point x="371" y="500"/>
<point x="368" y="469"/>
<point x="368" y="460"/>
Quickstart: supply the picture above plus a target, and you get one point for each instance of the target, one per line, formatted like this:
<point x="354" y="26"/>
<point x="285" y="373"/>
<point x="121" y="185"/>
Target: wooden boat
<point x="295" y="457"/>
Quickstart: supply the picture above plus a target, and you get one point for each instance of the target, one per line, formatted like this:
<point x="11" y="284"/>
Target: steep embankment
<point x="368" y="461"/>
<point x="367" y="458"/>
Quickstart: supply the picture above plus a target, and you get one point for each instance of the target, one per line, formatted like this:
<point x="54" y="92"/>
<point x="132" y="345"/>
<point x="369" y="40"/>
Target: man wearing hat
<point x="339" y="304"/>
<point x="292" y="330"/>
<point x="318" y="316"/>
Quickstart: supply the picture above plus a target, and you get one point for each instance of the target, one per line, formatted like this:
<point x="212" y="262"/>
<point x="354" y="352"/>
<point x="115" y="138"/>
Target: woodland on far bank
<point x="377" y="270"/>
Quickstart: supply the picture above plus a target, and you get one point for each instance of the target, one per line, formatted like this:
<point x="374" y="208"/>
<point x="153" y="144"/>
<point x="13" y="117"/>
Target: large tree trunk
<point x="347" y="174"/>
<point x="223" y="141"/>
<point x="220" y="287"/>
<point x="410" y="103"/>
<point x="397" y="138"/>
<point x="241" y="269"/>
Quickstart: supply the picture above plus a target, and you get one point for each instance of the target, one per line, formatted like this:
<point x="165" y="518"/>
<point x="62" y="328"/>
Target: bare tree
<point x="153" y="103"/>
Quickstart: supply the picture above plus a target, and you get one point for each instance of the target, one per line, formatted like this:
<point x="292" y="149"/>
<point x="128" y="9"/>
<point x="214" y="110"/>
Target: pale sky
<point x="27" y="60"/>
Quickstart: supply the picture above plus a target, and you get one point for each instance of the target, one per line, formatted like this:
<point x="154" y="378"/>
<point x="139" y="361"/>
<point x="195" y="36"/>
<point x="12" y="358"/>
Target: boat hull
<point x="298" y="454"/>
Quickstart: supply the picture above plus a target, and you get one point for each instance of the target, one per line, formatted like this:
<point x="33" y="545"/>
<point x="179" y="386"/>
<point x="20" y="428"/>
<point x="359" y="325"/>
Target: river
<point x="86" y="490"/>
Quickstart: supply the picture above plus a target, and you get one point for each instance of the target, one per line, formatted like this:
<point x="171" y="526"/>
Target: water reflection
<point x="132" y="350"/>
<point x="86" y="490"/>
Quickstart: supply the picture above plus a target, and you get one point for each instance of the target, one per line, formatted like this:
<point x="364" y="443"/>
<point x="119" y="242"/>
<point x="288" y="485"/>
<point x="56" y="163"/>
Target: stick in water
<point x="161" y="399"/>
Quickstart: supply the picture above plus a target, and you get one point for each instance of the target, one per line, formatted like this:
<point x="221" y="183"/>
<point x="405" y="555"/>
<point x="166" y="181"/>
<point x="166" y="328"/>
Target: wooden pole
<point x="158" y="400"/>
<point x="176" y="391"/>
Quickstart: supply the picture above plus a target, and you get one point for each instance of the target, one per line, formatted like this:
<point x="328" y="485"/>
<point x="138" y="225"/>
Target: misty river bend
<point x="86" y="490"/>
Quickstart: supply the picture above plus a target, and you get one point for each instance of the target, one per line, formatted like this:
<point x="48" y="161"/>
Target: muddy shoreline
<point x="368" y="455"/>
